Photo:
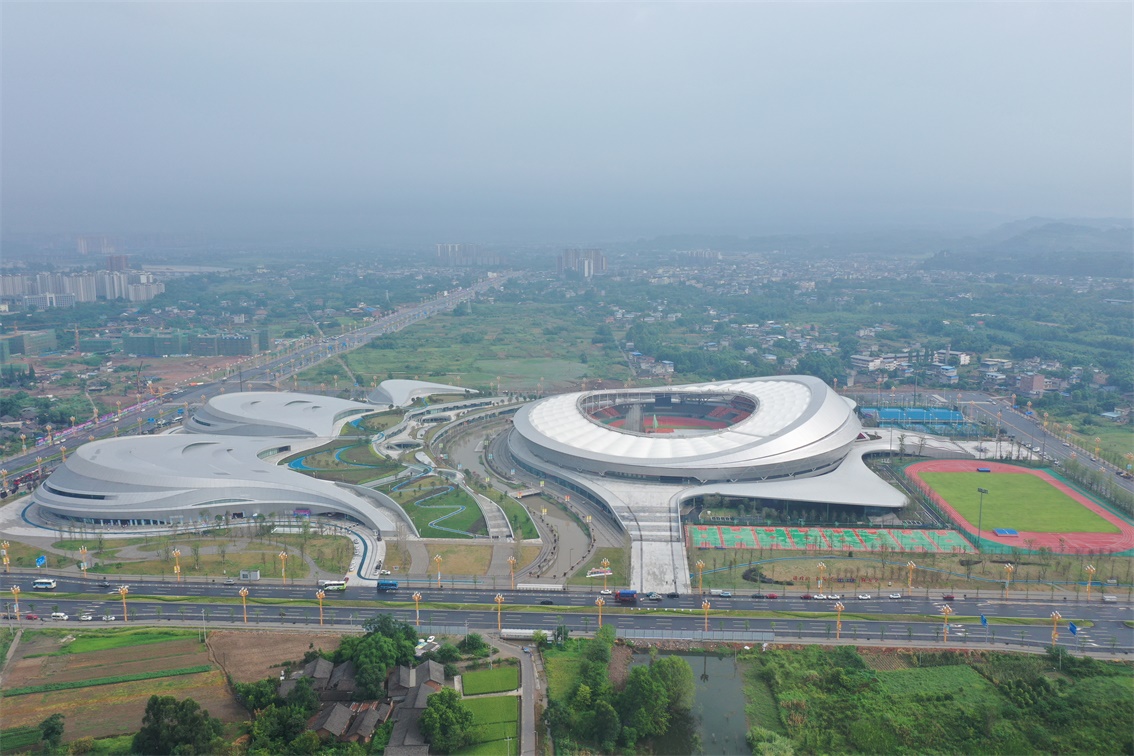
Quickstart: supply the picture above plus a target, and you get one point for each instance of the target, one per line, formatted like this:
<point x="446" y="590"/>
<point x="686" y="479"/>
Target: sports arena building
<point x="219" y="467"/>
<point x="640" y="453"/>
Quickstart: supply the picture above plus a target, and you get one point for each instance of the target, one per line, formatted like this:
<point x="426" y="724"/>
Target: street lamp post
<point x="605" y="567"/>
<point x="946" y="610"/>
<point x="600" y="603"/>
<point x="512" y="569"/>
<point x="320" y="595"/>
<point x="839" y="607"/>
<point x="980" y="516"/>
<point x="4" y="552"/>
<point x="283" y="566"/>
<point x="909" y="581"/>
<point x="177" y="563"/>
<point x="499" y="607"/>
<point x="705" y="607"/>
<point x="16" y="598"/>
<point x="122" y="591"/>
<point x="83" y="559"/>
<point x="1008" y="570"/>
<point x="416" y="608"/>
<point x="437" y="561"/>
<point x="1055" y="617"/>
<point x="244" y="603"/>
<point x="700" y="574"/>
<point x="822" y="569"/>
<point x="1090" y="570"/>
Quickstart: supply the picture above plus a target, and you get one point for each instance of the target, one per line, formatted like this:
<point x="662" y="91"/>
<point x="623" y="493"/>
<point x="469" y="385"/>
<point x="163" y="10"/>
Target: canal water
<point x="716" y="726"/>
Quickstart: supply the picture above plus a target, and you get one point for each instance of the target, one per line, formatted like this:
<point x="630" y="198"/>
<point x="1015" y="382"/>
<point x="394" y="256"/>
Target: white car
<point x="606" y="592"/>
<point x="86" y="618"/>
<point x="895" y="595"/>
<point x="108" y="618"/>
<point x="865" y="596"/>
<point x="820" y="596"/>
<point x="834" y="597"/>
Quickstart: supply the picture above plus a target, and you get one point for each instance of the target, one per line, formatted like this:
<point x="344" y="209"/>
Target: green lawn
<point x="495" y="680"/>
<point x="1020" y="502"/>
<point x="102" y="640"/>
<point x="522" y="524"/>
<point x="428" y="508"/>
<point x="495" y="720"/>
<point x="619" y="566"/>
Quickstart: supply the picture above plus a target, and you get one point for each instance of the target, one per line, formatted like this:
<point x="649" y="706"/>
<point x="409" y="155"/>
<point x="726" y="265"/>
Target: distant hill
<point x="1041" y="246"/>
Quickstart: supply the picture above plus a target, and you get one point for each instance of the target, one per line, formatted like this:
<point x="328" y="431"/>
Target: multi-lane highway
<point x="786" y="619"/>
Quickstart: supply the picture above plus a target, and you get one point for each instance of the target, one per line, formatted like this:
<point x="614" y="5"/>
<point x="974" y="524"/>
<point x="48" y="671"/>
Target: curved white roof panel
<point x="400" y="392"/>
<point x="272" y="413"/>
<point x="799" y="426"/>
<point x="183" y="477"/>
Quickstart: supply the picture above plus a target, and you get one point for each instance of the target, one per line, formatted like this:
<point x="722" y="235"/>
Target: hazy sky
<point x="572" y="121"/>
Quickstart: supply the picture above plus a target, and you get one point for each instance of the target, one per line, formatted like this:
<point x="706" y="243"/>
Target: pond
<point x="717" y="724"/>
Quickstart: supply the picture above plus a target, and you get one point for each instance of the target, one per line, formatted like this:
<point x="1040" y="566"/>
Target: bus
<point x="387" y="585"/>
<point x="332" y="585"/>
<point x="44" y="584"/>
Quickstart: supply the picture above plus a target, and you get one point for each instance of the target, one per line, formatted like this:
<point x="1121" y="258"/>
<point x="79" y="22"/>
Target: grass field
<point x="495" y="680"/>
<point x="495" y="720"/>
<point x="1020" y="502"/>
<point x="619" y="566"/>
<point x="85" y="641"/>
<point x="522" y="524"/>
<point x="430" y="505"/>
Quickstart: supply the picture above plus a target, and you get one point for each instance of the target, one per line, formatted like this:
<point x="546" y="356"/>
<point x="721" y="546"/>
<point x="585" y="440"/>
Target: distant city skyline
<point x="567" y="122"/>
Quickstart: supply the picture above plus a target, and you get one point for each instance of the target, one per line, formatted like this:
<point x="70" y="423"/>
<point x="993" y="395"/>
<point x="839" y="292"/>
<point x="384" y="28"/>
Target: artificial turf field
<point x="1020" y="502"/>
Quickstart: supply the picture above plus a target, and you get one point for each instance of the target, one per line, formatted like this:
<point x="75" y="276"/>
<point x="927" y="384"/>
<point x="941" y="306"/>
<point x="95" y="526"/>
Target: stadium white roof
<point x="399" y="392"/>
<point x="274" y="413"/>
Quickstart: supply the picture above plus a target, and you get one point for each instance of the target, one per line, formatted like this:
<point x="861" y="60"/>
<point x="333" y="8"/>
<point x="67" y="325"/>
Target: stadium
<point x="269" y="413"/>
<point x="638" y="454"/>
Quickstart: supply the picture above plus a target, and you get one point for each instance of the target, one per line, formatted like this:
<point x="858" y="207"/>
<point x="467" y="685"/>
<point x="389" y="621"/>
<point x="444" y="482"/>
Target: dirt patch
<point x="119" y="661"/>
<point x="252" y="656"/>
<point x="884" y="662"/>
<point x="105" y="710"/>
<point x="619" y="667"/>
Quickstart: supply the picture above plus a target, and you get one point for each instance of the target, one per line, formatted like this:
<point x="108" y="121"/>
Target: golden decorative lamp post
<point x="1090" y="570"/>
<point x="1098" y="444"/>
<point x="320" y="595"/>
<point x="244" y="603"/>
<point x="437" y="560"/>
<point x="122" y="591"/>
<point x="1008" y="570"/>
<point x="83" y="559"/>
<point x="946" y="611"/>
<point x="822" y="569"/>
<point x="416" y="608"/>
<point x="177" y="563"/>
<point x="705" y="607"/>
<point x="16" y="598"/>
<point x="283" y="566"/>
<point x="23" y="443"/>
<point x="4" y="476"/>
<point x="119" y="413"/>
<point x="63" y="452"/>
<point x="600" y="604"/>
<point x="909" y="580"/>
<point x="605" y="563"/>
<point x="38" y="466"/>
<point x="72" y="421"/>
<point x="50" y="435"/>
<point x="4" y="553"/>
<point x="839" y="607"/>
<point x="700" y="565"/>
<point x="512" y="569"/>
<point x="499" y="606"/>
<point x="1055" y="617"/>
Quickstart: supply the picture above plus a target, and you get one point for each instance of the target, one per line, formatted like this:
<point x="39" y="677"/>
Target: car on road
<point x="957" y="626"/>
<point x="651" y="596"/>
<point x="758" y="595"/>
<point x="895" y="595"/>
<point x="546" y="602"/>
<point x="526" y="650"/>
<point x="948" y="597"/>
<point x="807" y="597"/>
<point x="673" y="594"/>
<point x="104" y="584"/>
<point x="230" y="581"/>
<point x="31" y="616"/>
<point x="834" y="597"/>
<point x="606" y="592"/>
<point x="108" y="618"/>
<point x="86" y="617"/>
<point x="724" y="594"/>
<point x="864" y="596"/>
<point x="771" y="595"/>
<point x="820" y="597"/>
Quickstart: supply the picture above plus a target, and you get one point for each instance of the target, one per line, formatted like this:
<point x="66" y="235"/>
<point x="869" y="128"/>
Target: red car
<point x="806" y="596"/>
<point x="771" y="595"/>
<point x="31" y="616"/>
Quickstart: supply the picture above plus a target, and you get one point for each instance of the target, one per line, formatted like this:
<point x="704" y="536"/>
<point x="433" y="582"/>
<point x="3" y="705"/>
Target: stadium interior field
<point x="668" y="413"/>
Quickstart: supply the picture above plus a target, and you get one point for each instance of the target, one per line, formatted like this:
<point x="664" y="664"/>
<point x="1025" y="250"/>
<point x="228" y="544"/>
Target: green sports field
<point x="1017" y="501"/>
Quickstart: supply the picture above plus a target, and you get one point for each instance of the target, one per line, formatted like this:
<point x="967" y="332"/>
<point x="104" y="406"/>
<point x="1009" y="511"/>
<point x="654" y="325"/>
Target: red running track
<point x="1060" y="543"/>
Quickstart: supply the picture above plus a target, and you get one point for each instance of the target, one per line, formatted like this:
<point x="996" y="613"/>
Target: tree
<point x="51" y="732"/>
<point x="446" y="721"/>
<point x="171" y="726"/>
<point x="644" y="704"/>
<point x="676" y="676"/>
<point x="539" y="639"/>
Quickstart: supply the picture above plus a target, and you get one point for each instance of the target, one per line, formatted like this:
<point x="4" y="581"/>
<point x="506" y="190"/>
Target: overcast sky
<point x="548" y="122"/>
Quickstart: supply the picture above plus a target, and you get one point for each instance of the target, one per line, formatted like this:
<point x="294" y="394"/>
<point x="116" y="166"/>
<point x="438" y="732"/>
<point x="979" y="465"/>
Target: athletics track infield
<point x="825" y="539"/>
<point x="1060" y="543"/>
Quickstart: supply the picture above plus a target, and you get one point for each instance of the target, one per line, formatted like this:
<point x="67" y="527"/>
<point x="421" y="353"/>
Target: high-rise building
<point x="581" y="263"/>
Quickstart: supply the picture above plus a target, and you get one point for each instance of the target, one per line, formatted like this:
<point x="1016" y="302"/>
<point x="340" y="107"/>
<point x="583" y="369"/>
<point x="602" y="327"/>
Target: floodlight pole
<point x="980" y="516"/>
